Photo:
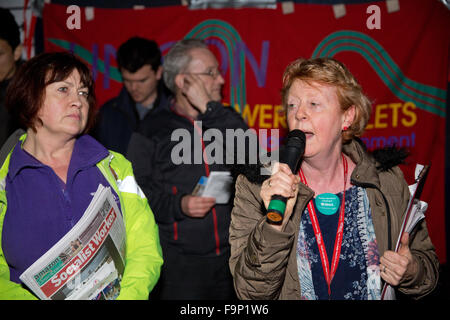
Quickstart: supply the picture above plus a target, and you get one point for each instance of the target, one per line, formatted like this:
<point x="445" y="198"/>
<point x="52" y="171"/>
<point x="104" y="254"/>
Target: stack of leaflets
<point x="415" y="212"/>
<point x="216" y="185"/>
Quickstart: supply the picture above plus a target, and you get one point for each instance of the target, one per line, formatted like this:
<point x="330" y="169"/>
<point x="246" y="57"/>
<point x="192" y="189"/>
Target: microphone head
<point x="294" y="149"/>
<point x="296" y="138"/>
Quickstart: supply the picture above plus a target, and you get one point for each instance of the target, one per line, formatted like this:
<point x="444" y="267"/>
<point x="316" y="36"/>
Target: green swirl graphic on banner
<point x="222" y="30"/>
<point x="87" y="56"/>
<point x="425" y="97"/>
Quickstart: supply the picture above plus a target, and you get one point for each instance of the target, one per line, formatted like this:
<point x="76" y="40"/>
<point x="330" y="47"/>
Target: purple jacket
<point x="41" y="208"/>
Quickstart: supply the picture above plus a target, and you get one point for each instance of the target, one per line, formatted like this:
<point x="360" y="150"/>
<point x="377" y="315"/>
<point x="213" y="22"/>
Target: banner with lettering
<point x="399" y="54"/>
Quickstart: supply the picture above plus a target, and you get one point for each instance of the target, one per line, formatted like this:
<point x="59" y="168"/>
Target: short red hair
<point x="331" y="72"/>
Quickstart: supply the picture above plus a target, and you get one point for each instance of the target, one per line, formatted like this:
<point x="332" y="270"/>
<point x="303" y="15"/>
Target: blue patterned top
<point x="357" y="276"/>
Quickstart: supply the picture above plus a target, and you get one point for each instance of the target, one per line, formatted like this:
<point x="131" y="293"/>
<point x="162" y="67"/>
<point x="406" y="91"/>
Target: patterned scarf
<point x="358" y="233"/>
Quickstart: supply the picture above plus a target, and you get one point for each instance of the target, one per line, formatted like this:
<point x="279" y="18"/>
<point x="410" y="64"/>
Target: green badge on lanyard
<point x="327" y="203"/>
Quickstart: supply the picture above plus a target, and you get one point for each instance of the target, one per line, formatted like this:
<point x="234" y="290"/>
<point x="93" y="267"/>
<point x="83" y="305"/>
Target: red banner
<point x="400" y="57"/>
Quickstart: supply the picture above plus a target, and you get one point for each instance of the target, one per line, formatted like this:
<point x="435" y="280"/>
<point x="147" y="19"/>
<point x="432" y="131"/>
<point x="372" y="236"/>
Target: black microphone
<point x="291" y="155"/>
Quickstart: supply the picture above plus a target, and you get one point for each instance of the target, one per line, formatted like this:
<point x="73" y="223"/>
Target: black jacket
<point x="118" y="118"/>
<point x="165" y="183"/>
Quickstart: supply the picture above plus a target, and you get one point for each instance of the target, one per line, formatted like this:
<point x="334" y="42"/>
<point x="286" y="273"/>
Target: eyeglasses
<point x="213" y="73"/>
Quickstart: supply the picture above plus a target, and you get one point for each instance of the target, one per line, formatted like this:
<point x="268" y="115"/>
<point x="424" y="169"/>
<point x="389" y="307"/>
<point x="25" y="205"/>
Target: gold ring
<point x="384" y="270"/>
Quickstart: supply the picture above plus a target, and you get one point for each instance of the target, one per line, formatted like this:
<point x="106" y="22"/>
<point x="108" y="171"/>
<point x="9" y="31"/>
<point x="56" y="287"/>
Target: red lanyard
<point x="339" y="234"/>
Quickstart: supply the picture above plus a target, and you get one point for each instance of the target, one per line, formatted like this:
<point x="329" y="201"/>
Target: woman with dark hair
<point x="343" y="210"/>
<point x="48" y="178"/>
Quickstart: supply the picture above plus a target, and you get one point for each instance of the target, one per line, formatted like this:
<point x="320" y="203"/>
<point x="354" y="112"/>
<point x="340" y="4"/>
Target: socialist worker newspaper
<point x="88" y="262"/>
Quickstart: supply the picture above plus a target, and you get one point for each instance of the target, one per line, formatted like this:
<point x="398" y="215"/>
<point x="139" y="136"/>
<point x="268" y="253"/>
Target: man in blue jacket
<point x="139" y="62"/>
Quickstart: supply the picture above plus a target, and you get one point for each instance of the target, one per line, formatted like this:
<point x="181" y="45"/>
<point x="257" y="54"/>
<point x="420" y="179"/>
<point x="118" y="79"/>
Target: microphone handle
<point x="277" y="204"/>
<point x="275" y="211"/>
<point x="291" y="158"/>
<point x="294" y="150"/>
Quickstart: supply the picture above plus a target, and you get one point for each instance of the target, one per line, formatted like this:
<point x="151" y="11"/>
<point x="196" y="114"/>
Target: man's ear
<point x="18" y="52"/>
<point x="179" y="81"/>
<point x="159" y="72"/>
